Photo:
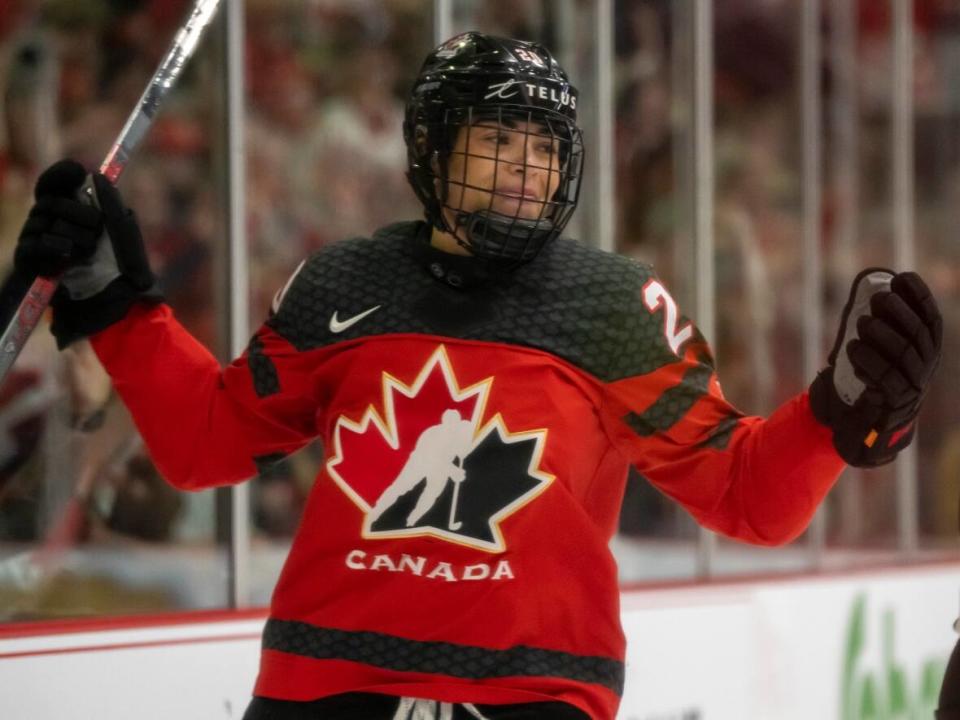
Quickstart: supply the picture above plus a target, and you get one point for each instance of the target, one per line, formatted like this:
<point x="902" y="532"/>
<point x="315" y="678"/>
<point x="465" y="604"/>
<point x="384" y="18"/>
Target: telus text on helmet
<point x="510" y="88"/>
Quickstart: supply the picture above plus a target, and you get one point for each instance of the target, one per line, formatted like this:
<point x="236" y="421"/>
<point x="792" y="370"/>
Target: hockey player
<point x="435" y="458"/>
<point x="948" y="706"/>
<point x="551" y="367"/>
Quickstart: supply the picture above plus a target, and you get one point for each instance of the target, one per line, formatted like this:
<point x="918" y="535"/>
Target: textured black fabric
<point x="462" y="661"/>
<point x="673" y="404"/>
<point x="720" y="437"/>
<point x="576" y="302"/>
<point x="266" y="381"/>
<point x="368" y="706"/>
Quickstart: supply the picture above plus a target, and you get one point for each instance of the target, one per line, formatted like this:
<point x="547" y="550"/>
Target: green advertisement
<point x="885" y="688"/>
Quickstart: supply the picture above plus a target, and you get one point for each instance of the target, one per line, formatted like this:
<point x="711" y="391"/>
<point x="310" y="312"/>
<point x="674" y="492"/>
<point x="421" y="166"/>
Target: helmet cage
<point x="512" y="226"/>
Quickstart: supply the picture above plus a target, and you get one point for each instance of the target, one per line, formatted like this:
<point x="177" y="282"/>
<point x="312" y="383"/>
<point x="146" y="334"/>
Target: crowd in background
<point x="758" y="204"/>
<point x="326" y="82"/>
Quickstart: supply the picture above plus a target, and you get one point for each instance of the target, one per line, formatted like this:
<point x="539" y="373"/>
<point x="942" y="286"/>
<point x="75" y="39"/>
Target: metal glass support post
<point x="573" y="30"/>
<point x="703" y="200"/>
<point x="904" y="255"/>
<point x="442" y="20"/>
<point x="606" y="206"/>
<point x="844" y="260"/>
<point x="844" y="169"/>
<point x="811" y="182"/>
<point x="566" y="33"/>
<point x="843" y="152"/>
<point x="238" y="279"/>
<point x="681" y="74"/>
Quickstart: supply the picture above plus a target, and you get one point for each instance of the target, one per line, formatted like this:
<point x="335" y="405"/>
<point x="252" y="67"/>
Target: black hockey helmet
<point x="518" y="87"/>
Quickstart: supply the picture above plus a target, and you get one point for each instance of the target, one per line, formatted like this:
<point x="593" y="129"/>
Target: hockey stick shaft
<point x="62" y="534"/>
<point x="184" y="44"/>
<point x="28" y="570"/>
<point x="453" y="523"/>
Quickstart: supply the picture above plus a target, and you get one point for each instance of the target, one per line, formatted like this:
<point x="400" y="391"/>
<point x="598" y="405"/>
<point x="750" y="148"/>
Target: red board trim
<point x="127" y="622"/>
<point x="128" y="646"/>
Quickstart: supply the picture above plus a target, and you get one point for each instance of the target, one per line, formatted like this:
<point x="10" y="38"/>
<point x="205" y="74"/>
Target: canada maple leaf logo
<point x="424" y="465"/>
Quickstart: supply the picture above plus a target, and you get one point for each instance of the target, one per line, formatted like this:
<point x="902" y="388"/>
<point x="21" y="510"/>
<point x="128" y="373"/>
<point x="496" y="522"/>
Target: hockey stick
<point x="62" y="535"/>
<point x="453" y="523"/>
<point x="28" y="570"/>
<point x="184" y="44"/>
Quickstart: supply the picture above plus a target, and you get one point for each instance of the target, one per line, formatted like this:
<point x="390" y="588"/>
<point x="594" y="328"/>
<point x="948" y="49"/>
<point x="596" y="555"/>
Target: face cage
<point x="534" y="149"/>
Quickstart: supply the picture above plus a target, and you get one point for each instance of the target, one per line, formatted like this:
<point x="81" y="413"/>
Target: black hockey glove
<point x="94" y="241"/>
<point x="880" y="367"/>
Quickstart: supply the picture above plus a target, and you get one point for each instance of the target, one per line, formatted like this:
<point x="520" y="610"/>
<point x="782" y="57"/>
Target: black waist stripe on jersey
<point x="463" y="661"/>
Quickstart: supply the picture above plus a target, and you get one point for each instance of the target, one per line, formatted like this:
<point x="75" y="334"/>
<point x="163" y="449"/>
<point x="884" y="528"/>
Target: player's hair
<point x="517" y="85"/>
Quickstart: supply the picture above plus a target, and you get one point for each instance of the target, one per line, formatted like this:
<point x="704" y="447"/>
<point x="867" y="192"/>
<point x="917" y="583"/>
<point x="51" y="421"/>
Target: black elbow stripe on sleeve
<point x="266" y="381"/>
<point x="719" y="437"/>
<point x="668" y="409"/>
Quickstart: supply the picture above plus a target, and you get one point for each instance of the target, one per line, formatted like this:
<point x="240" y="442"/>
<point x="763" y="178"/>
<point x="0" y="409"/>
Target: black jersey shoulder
<point x="345" y="279"/>
<point x="574" y="301"/>
<point x="592" y="301"/>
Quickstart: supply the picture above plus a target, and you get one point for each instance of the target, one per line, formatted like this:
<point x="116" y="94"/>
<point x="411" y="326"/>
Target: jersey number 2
<point x="656" y="296"/>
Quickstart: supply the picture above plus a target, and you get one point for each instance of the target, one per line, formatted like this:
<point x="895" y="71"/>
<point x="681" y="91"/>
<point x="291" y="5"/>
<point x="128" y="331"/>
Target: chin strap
<point x="498" y="237"/>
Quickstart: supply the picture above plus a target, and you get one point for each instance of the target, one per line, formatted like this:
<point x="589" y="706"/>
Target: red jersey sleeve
<point x="206" y="425"/>
<point x="754" y="479"/>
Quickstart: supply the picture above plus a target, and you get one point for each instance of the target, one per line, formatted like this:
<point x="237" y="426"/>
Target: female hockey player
<point x="481" y="386"/>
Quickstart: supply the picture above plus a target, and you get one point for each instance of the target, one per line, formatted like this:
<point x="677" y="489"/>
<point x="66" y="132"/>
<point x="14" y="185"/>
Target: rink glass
<point x="325" y="160"/>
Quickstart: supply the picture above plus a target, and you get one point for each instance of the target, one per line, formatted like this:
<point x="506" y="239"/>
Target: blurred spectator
<point x="74" y="71"/>
<point x="363" y="130"/>
<point x="24" y="402"/>
<point x="143" y="506"/>
<point x="521" y="19"/>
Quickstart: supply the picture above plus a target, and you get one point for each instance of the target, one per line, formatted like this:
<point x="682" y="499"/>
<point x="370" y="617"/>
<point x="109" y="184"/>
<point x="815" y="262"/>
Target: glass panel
<point x="861" y="511"/>
<point x="759" y="230"/>
<point x="87" y="526"/>
<point x="654" y="191"/>
<point x="326" y="161"/>
<point x="937" y="147"/>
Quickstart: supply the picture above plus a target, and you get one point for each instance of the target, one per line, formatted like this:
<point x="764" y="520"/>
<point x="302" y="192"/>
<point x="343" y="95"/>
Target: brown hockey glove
<point x="880" y="367"/>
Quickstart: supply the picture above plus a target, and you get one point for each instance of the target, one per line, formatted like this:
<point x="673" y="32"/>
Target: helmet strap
<point x="495" y="237"/>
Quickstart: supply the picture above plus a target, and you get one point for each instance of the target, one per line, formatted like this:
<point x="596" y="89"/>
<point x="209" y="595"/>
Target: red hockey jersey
<point x="478" y="429"/>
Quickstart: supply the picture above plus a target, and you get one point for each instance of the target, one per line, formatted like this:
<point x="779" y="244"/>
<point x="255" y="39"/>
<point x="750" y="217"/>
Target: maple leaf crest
<point x="423" y="465"/>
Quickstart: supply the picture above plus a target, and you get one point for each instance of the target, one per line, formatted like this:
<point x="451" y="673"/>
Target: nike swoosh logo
<point x="338" y="326"/>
